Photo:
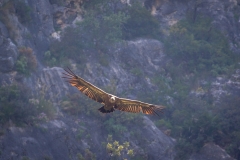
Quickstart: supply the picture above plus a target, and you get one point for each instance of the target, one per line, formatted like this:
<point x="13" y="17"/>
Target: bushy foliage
<point x="216" y="124"/>
<point x="98" y="5"/>
<point x="229" y="120"/>
<point x="101" y="31"/>
<point x="17" y="106"/>
<point x="113" y="127"/>
<point x="18" y="7"/>
<point x="77" y="104"/>
<point x="22" y="11"/>
<point x="14" y="105"/>
<point x="196" y="131"/>
<point x="141" y="23"/>
<point x="44" y="108"/>
<point x="195" y="121"/>
<point x="104" y="24"/>
<point x="88" y="155"/>
<point x="58" y="2"/>
<point x="199" y="47"/>
<point x="26" y="62"/>
<point x="94" y="33"/>
<point x="5" y="10"/>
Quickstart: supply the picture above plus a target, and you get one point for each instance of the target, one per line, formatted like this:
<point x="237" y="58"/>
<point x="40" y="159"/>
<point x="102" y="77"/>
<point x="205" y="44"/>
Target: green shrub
<point x="77" y="104"/>
<point x="21" y="65"/>
<point x="14" y="105"/>
<point x="5" y="10"/>
<point x="136" y="71"/>
<point x="101" y="27"/>
<point x="199" y="47"/>
<point x="22" y="11"/>
<point x="45" y="108"/>
<point x="105" y="29"/>
<point x="99" y="6"/>
<point x="140" y="24"/>
<point x="58" y="2"/>
<point x="162" y="122"/>
<point x="228" y="113"/>
<point x="26" y="62"/>
<point x="76" y="42"/>
<point x="80" y="156"/>
<point x="114" y="122"/>
<point x="18" y="106"/>
<point x="80" y="134"/>
<point x="104" y="60"/>
<point x="113" y="127"/>
<point x="89" y="155"/>
<point x="25" y="158"/>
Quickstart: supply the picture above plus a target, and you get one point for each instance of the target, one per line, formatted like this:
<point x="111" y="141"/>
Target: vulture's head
<point x="112" y="99"/>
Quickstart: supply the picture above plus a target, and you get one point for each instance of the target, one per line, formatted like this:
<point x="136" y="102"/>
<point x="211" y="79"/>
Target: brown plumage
<point x="110" y="102"/>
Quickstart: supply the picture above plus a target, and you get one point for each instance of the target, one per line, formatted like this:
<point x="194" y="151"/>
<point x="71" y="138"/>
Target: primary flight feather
<point x="110" y="102"/>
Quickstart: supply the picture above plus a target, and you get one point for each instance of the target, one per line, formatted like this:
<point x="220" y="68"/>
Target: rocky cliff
<point x="130" y="71"/>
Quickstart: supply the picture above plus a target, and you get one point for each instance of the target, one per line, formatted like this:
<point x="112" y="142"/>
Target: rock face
<point x="8" y="54"/>
<point x="66" y="137"/>
<point x="211" y="152"/>
<point x="59" y="136"/>
<point x="159" y="146"/>
<point x="50" y="80"/>
<point x="62" y="139"/>
<point x="145" y="53"/>
<point x="225" y="15"/>
<point x="226" y="86"/>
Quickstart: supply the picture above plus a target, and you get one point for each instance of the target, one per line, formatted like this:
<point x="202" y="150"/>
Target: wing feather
<point x="135" y="106"/>
<point x="99" y="95"/>
<point x="85" y="87"/>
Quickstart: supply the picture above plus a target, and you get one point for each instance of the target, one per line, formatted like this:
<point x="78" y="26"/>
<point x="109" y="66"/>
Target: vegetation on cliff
<point x="198" y="50"/>
<point x="195" y="49"/>
<point x="101" y="28"/>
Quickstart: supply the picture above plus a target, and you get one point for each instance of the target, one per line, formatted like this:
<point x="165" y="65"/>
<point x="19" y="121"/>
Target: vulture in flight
<point x="110" y="102"/>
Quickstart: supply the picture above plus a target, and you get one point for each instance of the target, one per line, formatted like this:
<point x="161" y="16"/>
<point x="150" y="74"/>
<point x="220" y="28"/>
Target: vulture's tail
<point x="103" y="110"/>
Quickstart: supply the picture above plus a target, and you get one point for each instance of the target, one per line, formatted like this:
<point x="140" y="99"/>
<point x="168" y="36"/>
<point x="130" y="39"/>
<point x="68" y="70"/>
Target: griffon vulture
<point x="110" y="102"/>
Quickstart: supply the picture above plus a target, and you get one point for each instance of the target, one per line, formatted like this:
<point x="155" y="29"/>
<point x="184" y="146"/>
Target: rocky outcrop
<point x="8" y="54"/>
<point x="160" y="146"/>
<point x="59" y="135"/>
<point x="67" y="138"/>
<point x="225" y="15"/>
<point x="49" y="82"/>
<point x="223" y="86"/>
<point x="122" y="72"/>
<point x="70" y="13"/>
<point x="126" y="69"/>
<point x="211" y="151"/>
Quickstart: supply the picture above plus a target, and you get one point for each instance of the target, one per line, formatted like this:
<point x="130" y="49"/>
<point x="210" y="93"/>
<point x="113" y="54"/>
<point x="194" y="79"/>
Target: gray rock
<point x="57" y="139"/>
<point x="8" y="55"/>
<point x="51" y="82"/>
<point x="223" y="86"/>
<point x="159" y="146"/>
<point x="147" y="54"/>
<point x="211" y="151"/>
<point x="225" y="15"/>
<point x="3" y="30"/>
<point x="60" y="139"/>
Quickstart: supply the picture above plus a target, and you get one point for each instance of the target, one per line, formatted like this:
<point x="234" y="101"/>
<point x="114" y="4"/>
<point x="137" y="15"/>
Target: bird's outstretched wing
<point x="135" y="106"/>
<point x="85" y="87"/>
